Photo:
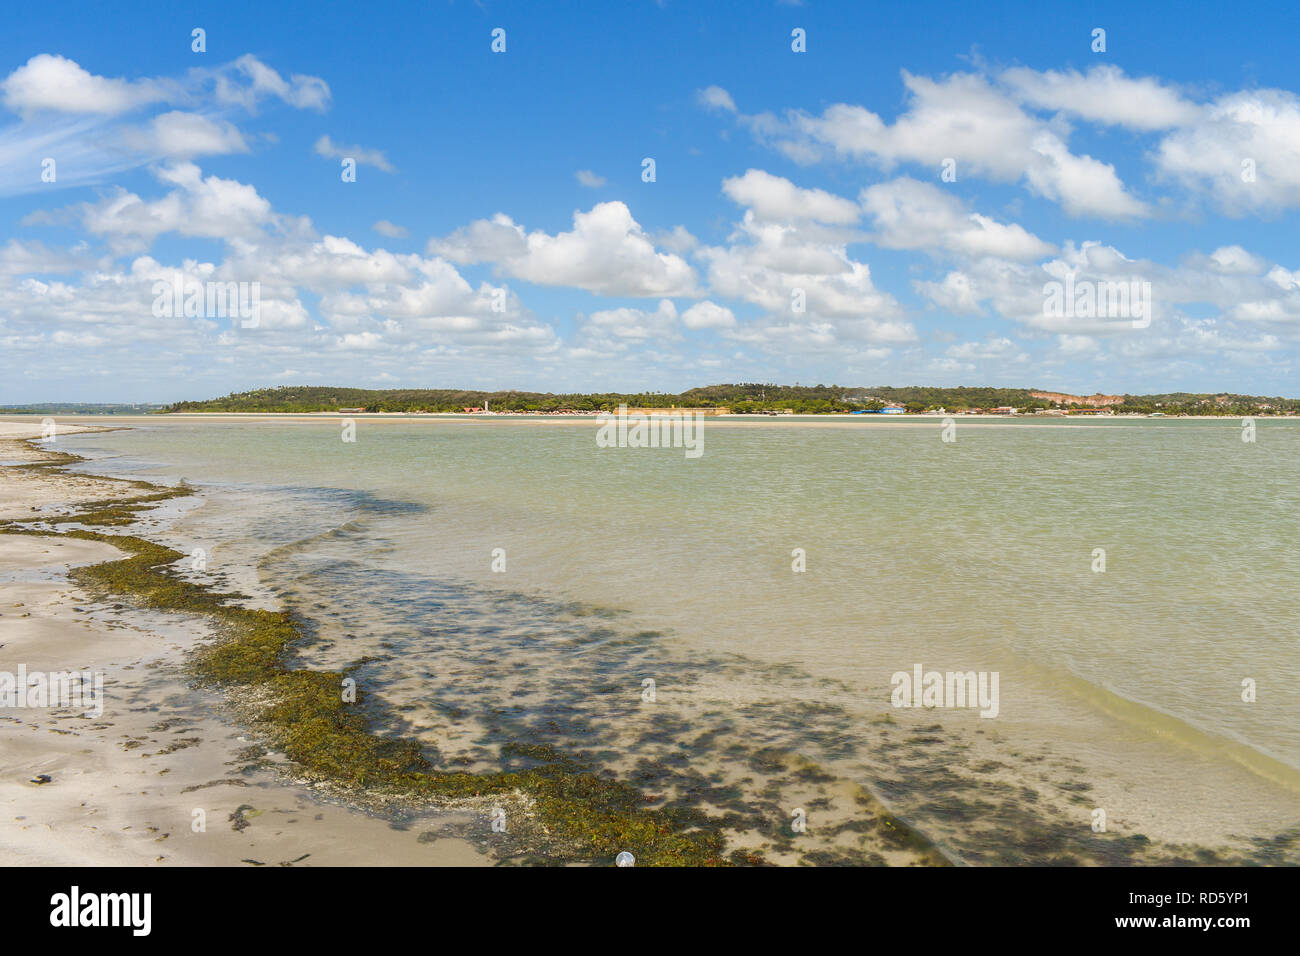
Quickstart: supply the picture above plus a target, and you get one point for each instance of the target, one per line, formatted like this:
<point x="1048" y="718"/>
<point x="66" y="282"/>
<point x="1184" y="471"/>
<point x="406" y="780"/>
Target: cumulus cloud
<point x="1104" y="95"/>
<point x="1017" y="290"/>
<point x="209" y="207"/>
<point x="708" y="315"/>
<point x="913" y="215"/>
<point x="953" y="293"/>
<point x="36" y="258"/>
<point x="1231" y="260"/>
<point x="617" y="329"/>
<point x="964" y="118"/>
<point x="1239" y="151"/>
<point x="779" y="200"/>
<point x="1237" y="285"/>
<point x="1243" y="153"/>
<point x="678" y="239"/>
<point x="798" y="271"/>
<point x="606" y="252"/>
<point x="1001" y="348"/>
<point x="179" y="135"/>
<point x="403" y="311"/>
<point x="51" y="82"/>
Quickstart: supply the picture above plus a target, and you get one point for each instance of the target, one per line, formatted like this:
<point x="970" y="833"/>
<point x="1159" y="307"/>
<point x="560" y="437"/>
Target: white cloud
<point x="78" y="310"/>
<point x="779" y="200"/>
<point x="404" y="311"/>
<point x="1231" y="281"/>
<point x="247" y="80"/>
<point x="178" y="135"/>
<point x="913" y="215"/>
<point x="82" y="120"/>
<point x="1104" y="95"/>
<point x="210" y="207"/>
<point x="616" y="329"/>
<point x="677" y="239"/>
<point x="708" y="315"/>
<point x="1076" y="345"/>
<point x="1241" y="150"/>
<point x="35" y="258"/>
<point x="51" y="82"/>
<point x="715" y="97"/>
<point x="1244" y="153"/>
<point x="953" y="293"/>
<point x="363" y="156"/>
<point x="1082" y="185"/>
<point x="606" y="252"/>
<point x="1234" y="260"/>
<point x="966" y="119"/>
<point x="999" y="348"/>
<point x="784" y="266"/>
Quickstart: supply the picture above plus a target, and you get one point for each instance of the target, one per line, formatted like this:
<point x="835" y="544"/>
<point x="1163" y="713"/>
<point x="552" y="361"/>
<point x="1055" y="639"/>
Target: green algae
<point x="104" y="512"/>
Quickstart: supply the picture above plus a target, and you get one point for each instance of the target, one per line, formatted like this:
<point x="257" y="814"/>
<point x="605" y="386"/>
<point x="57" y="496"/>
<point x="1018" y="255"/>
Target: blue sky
<point x="499" y="232"/>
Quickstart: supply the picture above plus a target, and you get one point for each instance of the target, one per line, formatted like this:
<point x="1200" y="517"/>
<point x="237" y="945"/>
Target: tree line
<point x="739" y="398"/>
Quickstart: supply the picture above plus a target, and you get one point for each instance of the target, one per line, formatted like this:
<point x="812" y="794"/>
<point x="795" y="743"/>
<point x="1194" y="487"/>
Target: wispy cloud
<point x="366" y="157"/>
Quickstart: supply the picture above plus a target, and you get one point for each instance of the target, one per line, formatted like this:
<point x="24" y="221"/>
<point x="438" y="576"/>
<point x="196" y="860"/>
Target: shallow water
<point x="1118" y="690"/>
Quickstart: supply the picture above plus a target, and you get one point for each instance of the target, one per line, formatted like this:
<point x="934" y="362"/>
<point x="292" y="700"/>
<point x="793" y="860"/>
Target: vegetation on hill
<point x="1186" y="403"/>
<point x="739" y="398"/>
<point x="310" y="398"/>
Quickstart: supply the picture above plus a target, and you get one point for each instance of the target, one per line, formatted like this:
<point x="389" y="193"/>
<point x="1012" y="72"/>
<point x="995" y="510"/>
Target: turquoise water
<point x="1119" y="690"/>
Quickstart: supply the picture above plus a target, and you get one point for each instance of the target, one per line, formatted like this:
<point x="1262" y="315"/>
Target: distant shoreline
<point x="585" y="419"/>
<point x="733" y="399"/>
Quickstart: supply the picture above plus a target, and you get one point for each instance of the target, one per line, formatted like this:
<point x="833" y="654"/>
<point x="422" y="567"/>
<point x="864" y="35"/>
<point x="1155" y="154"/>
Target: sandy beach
<point x="160" y="778"/>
